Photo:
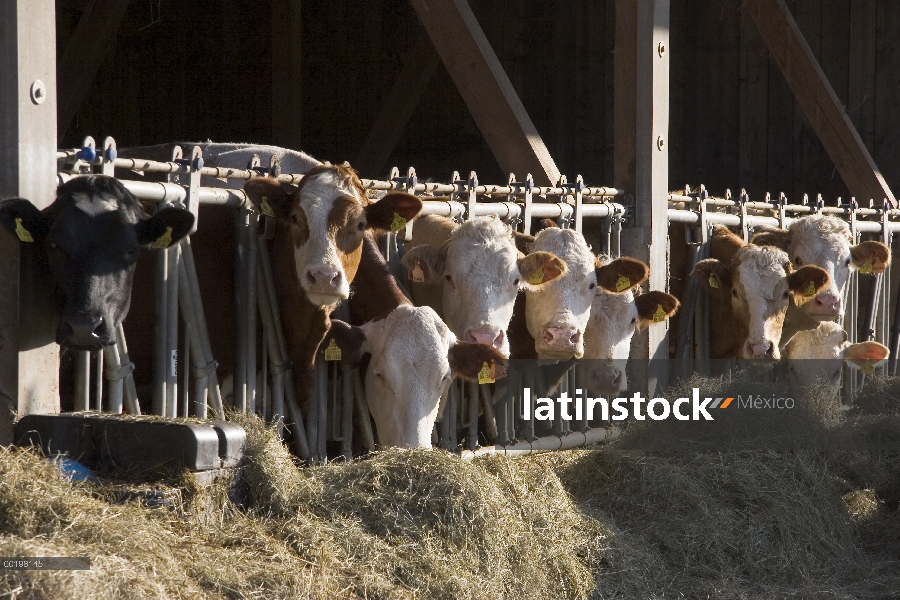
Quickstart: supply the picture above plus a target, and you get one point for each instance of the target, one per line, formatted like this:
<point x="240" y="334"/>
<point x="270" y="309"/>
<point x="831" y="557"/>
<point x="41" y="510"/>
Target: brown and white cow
<point x="613" y="321"/>
<point x="751" y="287"/>
<point x="316" y="251"/>
<point x="816" y="356"/>
<point x="480" y="272"/>
<point x="557" y="314"/>
<point x="825" y="241"/>
<point x="413" y="354"/>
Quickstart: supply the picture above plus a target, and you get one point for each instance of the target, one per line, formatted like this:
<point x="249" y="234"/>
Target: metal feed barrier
<point x="698" y="212"/>
<point x="338" y="389"/>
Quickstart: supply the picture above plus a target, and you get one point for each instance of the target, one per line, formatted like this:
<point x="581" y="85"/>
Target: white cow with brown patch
<point x="816" y="356"/>
<point x="479" y="272"/>
<point x="751" y="288"/>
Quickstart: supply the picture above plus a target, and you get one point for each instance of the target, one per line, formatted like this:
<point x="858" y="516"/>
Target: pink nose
<point x="566" y="336"/>
<point x="323" y="276"/>
<point x="488" y="337"/>
<point x="759" y="350"/>
<point x="606" y="378"/>
<point x="829" y="301"/>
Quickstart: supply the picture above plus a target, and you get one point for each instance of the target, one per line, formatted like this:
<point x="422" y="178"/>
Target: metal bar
<point x="362" y="412"/>
<point x="186" y="370"/>
<point x="98" y="380"/>
<point x="239" y="397"/>
<point x="82" y="380"/>
<point x="250" y="282"/>
<point x="487" y="410"/>
<point x="312" y="416"/>
<point x="544" y="444"/>
<point x="264" y="377"/>
<point x="115" y="387"/>
<point x="132" y="406"/>
<point x="472" y="414"/>
<point x="347" y="411"/>
<point x="160" y="329"/>
<point x="172" y="329"/>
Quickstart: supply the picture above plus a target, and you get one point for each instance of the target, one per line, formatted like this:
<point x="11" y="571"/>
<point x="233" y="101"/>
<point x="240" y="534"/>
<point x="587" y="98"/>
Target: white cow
<point x="480" y="271"/>
<point x="607" y="338"/>
<point x="414" y="356"/>
<point x="816" y="356"/>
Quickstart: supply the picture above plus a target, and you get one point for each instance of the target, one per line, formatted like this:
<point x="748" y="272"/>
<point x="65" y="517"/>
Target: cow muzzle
<point x="325" y="284"/>
<point x="486" y="336"/>
<point x="84" y="331"/>
<point x="606" y="378"/>
<point x="563" y="338"/>
<point x="826" y="306"/>
<point x="759" y="349"/>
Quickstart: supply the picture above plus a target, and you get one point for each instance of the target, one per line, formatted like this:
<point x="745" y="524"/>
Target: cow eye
<point x="516" y="282"/>
<point x="785" y="295"/>
<point x="592" y="286"/>
<point x="448" y="278"/>
<point x="734" y="293"/>
<point x="295" y="218"/>
<point x="847" y="264"/>
<point x="797" y="261"/>
<point x="379" y="374"/>
<point x="361" y="226"/>
<point x="132" y="252"/>
<point x="634" y="320"/>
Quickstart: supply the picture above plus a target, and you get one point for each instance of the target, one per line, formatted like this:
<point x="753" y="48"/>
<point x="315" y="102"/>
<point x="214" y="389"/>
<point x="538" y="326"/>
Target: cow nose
<point x="606" y="378"/>
<point x="82" y="330"/>
<point x="488" y="337"/>
<point x="562" y="335"/>
<point x="829" y="300"/>
<point x="759" y="349"/>
<point x="323" y="276"/>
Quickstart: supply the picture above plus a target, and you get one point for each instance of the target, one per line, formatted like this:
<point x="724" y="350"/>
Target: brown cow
<point x="751" y="288"/>
<point x="316" y="251"/>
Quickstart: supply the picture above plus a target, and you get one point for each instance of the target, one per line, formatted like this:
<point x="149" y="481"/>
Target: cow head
<point x="325" y="218"/>
<point x="817" y="355"/>
<point x="825" y="241"/>
<point x="557" y="314"/>
<point x="761" y="282"/>
<point x="481" y="272"/>
<point x="93" y="233"/>
<point x="414" y="356"/>
<point x="607" y="338"/>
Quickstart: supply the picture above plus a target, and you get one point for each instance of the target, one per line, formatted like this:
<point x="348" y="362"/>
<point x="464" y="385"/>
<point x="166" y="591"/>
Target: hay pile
<point x="602" y="523"/>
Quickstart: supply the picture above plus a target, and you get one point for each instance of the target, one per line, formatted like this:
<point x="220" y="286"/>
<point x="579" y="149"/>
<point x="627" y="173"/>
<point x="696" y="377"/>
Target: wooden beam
<point x="642" y="156"/>
<point x="486" y="89"/>
<point x="287" y="90"/>
<point x="397" y="108"/>
<point x="817" y="99"/>
<point x="29" y="358"/>
<point x="80" y="61"/>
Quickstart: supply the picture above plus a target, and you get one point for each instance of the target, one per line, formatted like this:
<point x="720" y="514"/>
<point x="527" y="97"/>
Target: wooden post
<point x="286" y="73"/>
<point x="816" y="97"/>
<point x="29" y="358"/>
<point x="84" y="53"/>
<point x="487" y="91"/>
<point x="641" y="163"/>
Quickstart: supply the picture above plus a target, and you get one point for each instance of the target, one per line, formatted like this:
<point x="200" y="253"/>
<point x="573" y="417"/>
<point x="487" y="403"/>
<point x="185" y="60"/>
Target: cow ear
<point x="165" y="228"/>
<point x="23" y="219"/>
<point x="712" y="275"/>
<point x="468" y="358"/>
<point x="393" y="211"/>
<point x="350" y="340"/>
<point x="270" y="197"/>
<point x="428" y="260"/>
<point x="538" y="268"/>
<point x="523" y="242"/>
<point x="806" y="282"/>
<point x="866" y="355"/>
<point x="547" y="224"/>
<point x="622" y="274"/>
<point x="765" y="235"/>
<point x="656" y="306"/>
<point x="870" y="257"/>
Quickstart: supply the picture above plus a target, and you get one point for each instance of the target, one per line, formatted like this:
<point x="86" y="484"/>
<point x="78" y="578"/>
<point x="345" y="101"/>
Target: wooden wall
<point x="202" y="69"/>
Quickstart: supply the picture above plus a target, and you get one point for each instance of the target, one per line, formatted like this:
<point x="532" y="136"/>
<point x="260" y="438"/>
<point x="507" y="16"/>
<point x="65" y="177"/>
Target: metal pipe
<point x="444" y="419"/>
<point x="186" y="369"/>
<point x="115" y="384"/>
<point x="82" y="380"/>
<point x="160" y="331"/>
<point x="312" y="416"/>
<point x="487" y="409"/>
<point x="250" y="282"/>
<point x="278" y="368"/>
<point x="576" y="439"/>
<point x="362" y="412"/>
<point x="172" y="329"/>
<point x="132" y="406"/>
<point x="239" y="398"/>
<point x="98" y="380"/>
<point x="347" y="411"/>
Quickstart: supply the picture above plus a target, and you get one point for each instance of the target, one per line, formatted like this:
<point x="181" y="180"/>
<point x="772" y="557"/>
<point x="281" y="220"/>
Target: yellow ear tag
<point x="398" y="223"/>
<point x="23" y="234"/>
<point x="266" y="208"/>
<point x="417" y="274"/>
<point x="868" y="368"/>
<point x="536" y="278"/>
<point x="866" y="267"/>
<point x="714" y="281"/>
<point x="623" y="283"/>
<point x="332" y="352"/>
<point x="164" y="240"/>
<point x="486" y="374"/>
<point x="660" y="315"/>
<point x="810" y="290"/>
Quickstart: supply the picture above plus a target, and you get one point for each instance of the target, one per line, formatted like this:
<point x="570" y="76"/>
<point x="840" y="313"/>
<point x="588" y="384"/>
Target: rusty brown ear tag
<point x="417" y="274"/>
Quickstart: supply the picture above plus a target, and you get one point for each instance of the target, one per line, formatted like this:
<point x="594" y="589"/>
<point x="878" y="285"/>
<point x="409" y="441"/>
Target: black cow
<point x="93" y="233"/>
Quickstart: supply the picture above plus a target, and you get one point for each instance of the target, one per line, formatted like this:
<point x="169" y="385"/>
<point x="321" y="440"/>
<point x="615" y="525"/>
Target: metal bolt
<point x="38" y="92"/>
<point x="660" y="143"/>
<point x="661" y="48"/>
